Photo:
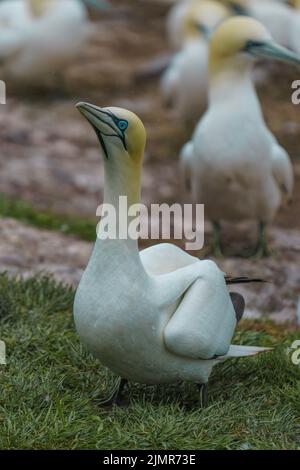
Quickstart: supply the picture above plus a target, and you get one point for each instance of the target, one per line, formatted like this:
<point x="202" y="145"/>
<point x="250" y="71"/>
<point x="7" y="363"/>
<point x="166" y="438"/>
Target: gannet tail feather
<point x="243" y="351"/>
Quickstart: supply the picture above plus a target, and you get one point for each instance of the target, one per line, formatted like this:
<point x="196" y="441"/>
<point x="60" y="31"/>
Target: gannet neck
<point x="122" y="178"/>
<point x="233" y="83"/>
<point x="122" y="189"/>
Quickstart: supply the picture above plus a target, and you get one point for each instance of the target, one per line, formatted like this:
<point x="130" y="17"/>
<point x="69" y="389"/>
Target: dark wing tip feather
<point x="243" y="280"/>
<point x="239" y="305"/>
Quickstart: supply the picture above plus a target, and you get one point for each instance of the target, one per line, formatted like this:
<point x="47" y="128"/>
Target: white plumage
<point x="185" y="83"/>
<point x="38" y="38"/>
<point x="295" y="28"/>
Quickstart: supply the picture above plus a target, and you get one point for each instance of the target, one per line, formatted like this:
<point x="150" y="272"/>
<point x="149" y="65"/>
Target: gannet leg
<point x="203" y="395"/>
<point x="115" y="397"/>
<point x="216" y="244"/>
<point x="262" y="250"/>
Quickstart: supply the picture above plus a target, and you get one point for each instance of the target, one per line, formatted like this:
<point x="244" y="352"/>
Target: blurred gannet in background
<point x="176" y="21"/>
<point x="40" y="37"/>
<point x="233" y="164"/>
<point x="295" y="27"/>
<point x="276" y="16"/>
<point x="184" y="85"/>
<point x="13" y="13"/>
<point x="161" y="315"/>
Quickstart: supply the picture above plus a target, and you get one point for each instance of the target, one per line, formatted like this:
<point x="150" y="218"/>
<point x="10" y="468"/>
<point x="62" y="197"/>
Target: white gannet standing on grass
<point x="184" y="85"/>
<point x="40" y="38"/>
<point x="233" y="164"/>
<point x="159" y="316"/>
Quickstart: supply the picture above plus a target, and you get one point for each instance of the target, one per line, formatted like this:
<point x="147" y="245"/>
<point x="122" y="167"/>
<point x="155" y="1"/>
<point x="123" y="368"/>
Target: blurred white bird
<point x="184" y="85"/>
<point x="276" y="16"/>
<point x="38" y="38"/>
<point x="233" y="164"/>
<point x="295" y="27"/>
<point x="156" y="316"/>
<point x="177" y="21"/>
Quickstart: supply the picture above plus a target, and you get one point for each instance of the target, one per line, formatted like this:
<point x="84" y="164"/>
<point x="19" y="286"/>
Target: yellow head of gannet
<point x="201" y="18"/>
<point x="295" y="3"/>
<point x="118" y="130"/>
<point x="191" y="19"/>
<point x="240" y="40"/>
<point x="39" y="7"/>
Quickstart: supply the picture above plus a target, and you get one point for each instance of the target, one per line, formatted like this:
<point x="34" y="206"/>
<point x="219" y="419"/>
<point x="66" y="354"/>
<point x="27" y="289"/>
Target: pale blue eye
<point x="122" y="125"/>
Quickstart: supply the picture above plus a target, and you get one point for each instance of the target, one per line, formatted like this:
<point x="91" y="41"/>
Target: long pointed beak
<point x="271" y="50"/>
<point x="103" y="122"/>
<point x="238" y="9"/>
<point x="96" y="116"/>
<point x="99" y="4"/>
<point x="206" y="31"/>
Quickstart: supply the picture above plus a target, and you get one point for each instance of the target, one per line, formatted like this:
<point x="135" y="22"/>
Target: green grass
<point x="84" y="228"/>
<point x="50" y="387"/>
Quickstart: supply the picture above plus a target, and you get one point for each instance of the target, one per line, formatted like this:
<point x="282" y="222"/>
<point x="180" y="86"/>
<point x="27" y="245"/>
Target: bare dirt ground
<point x="50" y="157"/>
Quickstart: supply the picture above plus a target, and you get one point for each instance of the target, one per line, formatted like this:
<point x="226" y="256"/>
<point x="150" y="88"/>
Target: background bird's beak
<point x="99" y="4"/>
<point x="206" y="31"/>
<point x="271" y="50"/>
<point x="238" y="9"/>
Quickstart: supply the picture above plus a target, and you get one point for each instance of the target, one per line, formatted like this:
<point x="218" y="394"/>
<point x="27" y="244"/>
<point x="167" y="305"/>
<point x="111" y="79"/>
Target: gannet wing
<point x="282" y="170"/>
<point x="203" y="323"/>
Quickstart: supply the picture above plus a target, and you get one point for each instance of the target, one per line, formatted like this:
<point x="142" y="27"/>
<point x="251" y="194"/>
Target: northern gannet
<point x="39" y="37"/>
<point x="276" y="16"/>
<point x="295" y="27"/>
<point x="159" y="315"/>
<point x="184" y="85"/>
<point x="233" y="164"/>
<point x="175" y="20"/>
